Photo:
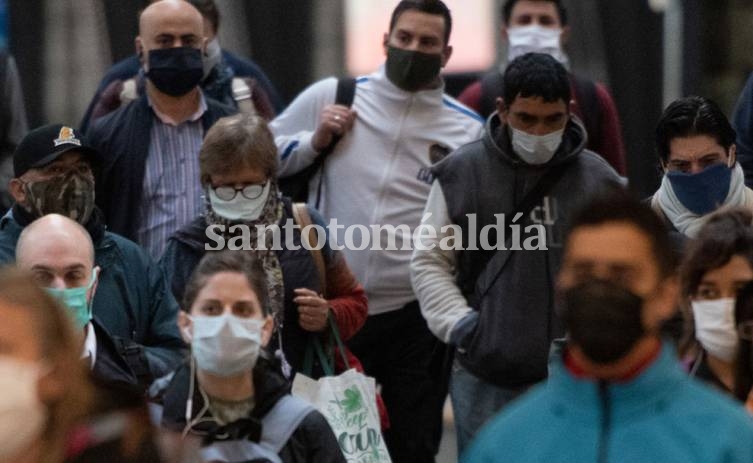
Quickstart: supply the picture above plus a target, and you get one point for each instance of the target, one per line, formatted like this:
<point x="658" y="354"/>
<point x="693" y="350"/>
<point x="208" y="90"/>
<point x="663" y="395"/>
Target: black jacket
<point x="313" y="440"/>
<point x="122" y="139"/>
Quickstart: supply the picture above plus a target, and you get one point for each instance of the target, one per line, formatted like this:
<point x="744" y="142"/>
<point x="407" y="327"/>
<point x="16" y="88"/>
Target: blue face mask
<point x="703" y="192"/>
<point x="76" y="301"/>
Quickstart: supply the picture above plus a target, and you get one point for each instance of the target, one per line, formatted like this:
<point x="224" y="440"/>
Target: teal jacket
<point x="661" y="416"/>
<point x="132" y="301"/>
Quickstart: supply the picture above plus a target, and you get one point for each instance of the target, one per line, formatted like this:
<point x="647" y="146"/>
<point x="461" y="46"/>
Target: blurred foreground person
<point x="615" y="392"/>
<point x="43" y="385"/>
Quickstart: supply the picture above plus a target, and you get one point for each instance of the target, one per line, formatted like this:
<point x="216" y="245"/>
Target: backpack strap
<point x="242" y="96"/>
<point x="588" y="102"/>
<point x="303" y="219"/>
<point x="345" y="94"/>
<point x="130" y="91"/>
<point x="492" y="87"/>
<point x="278" y="425"/>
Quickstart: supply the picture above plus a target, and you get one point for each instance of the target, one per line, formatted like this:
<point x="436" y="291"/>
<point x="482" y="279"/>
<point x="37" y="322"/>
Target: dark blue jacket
<point x="122" y="139"/>
<point x="129" y="67"/>
<point x="132" y="301"/>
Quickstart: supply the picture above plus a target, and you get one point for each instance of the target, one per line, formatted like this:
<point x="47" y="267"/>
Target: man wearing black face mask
<point x="53" y="169"/>
<point x="149" y="182"/>
<point x="400" y="123"/>
<point x="615" y="392"/>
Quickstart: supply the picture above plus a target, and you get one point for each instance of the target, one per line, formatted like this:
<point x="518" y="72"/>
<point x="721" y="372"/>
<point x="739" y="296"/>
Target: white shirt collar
<point x="90" y="345"/>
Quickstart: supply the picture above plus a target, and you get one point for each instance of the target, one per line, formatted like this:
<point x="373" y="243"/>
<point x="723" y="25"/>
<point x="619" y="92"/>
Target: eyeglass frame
<point x="242" y="191"/>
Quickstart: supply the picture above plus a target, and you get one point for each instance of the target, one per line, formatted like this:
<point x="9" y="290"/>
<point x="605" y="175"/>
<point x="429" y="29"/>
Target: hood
<point x="193" y="234"/>
<point x="496" y="139"/>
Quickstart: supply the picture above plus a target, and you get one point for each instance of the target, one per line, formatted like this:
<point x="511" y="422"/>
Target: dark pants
<point x="398" y="350"/>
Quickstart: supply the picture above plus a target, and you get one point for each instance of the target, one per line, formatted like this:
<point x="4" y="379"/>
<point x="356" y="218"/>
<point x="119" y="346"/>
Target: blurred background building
<point x="647" y="51"/>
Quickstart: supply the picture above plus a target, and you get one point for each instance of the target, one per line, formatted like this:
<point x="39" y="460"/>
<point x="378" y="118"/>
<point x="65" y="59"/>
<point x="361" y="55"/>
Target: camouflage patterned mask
<point x="71" y="195"/>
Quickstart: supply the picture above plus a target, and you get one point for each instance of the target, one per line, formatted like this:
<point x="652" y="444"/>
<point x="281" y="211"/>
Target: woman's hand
<point x="312" y="310"/>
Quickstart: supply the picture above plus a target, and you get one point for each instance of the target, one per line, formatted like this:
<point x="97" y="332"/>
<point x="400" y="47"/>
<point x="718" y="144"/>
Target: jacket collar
<point x="644" y="395"/>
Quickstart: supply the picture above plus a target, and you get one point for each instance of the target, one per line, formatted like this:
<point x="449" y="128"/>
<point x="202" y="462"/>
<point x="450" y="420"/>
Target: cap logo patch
<point x="66" y="135"/>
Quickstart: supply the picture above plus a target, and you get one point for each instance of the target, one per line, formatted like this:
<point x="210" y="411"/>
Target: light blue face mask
<point x="76" y="301"/>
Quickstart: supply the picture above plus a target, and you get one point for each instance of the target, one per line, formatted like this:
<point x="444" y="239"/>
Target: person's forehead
<point x="535" y="105"/>
<point x="616" y="243"/>
<point x="172" y="21"/>
<point x="537" y="8"/>
<point x="688" y="148"/>
<point x="420" y="23"/>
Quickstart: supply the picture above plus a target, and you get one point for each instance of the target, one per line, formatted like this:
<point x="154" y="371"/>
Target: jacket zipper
<point x="606" y="418"/>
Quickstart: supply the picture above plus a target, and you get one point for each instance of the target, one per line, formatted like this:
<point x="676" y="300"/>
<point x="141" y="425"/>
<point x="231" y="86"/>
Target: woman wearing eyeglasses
<point x="238" y="165"/>
<point x="716" y="265"/>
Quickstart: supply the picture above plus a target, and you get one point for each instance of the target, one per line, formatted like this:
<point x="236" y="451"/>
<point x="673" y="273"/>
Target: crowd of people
<point x="156" y="304"/>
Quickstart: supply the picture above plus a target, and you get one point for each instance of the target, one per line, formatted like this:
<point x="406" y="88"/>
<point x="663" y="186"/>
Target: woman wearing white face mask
<point x="716" y="265"/>
<point x="43" y="385"/>
<point x="230" y="393"/>
<point x="238" y="165"/>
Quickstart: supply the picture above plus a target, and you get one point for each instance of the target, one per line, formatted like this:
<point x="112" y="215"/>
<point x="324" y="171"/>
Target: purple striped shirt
<point x="172" y="191"/>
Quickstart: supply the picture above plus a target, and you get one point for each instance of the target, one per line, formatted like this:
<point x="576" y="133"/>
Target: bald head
<point x="170" y="23"/>
<point x="57" y="250"/>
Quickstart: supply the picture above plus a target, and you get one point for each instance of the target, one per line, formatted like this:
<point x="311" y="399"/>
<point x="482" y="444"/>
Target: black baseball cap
<point x="45" y="144"/>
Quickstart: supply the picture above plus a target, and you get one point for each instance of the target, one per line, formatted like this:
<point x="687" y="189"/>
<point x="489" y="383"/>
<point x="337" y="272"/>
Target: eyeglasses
<point x="228" y="193"/>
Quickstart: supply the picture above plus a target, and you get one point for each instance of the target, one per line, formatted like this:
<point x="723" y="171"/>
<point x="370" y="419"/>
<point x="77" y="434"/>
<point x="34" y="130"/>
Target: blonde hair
<point x="60" y="348"/>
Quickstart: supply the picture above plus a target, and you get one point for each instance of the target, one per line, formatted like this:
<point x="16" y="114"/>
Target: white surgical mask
<point x="715" y="327"/>
<point x="225" y="345"/>
<point x="535" y="149"/>
<point x="534" y="39"/>
<point x="22" y="415"/>
<point x="213" y="56"/>
<point x="240" y="208"/>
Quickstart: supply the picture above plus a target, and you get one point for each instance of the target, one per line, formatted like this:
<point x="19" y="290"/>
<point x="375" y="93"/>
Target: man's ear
<point x="564" y="36"/>
<point x="17" y="190"/>
<point x="93" y="289"/>
<point x="502" y="109"/>
<point x="139" y="50"/>
<point x="665" y="304"/>
<point x="184" y="326"/>
<point x="386" y="42"/>
<point x="446" y="53"/>
<point x="732" y="155"/>
<point x="503" y="33"/>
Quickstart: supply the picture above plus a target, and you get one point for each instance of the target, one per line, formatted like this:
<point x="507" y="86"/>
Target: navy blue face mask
<point x="175" y="71"/>
<point x="703" y="192"/>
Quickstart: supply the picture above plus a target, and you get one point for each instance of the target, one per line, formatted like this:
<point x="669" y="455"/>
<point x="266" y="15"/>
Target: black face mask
<point x="412" y="70"/>
<point x="603" y="319"/>
<point x="175" y="71"/>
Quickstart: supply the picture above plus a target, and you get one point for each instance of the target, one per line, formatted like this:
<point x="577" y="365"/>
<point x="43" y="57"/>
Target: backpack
<point x="492" y="86"/>
<point x="296" y="186"/>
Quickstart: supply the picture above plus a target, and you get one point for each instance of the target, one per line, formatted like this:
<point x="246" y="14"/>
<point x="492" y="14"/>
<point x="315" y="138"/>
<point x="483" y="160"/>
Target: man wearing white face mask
<point x="541" y="26"/>
<point x="502" y="331"/>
